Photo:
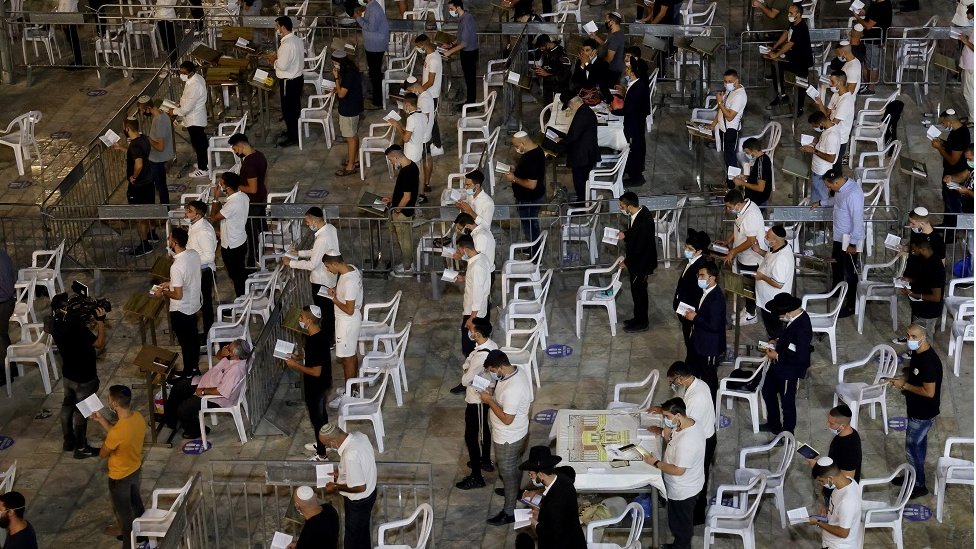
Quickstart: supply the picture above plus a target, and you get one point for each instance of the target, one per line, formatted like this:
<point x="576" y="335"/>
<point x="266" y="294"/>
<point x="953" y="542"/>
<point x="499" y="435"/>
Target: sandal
<point x="344" y="172"/>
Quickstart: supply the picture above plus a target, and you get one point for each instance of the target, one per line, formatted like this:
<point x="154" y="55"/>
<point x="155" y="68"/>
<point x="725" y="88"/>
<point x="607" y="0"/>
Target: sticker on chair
<point x="898" y="423"/>
<point x="724" y="421"/>
<point x="5" y="442"/>
<point x="545" y="417"/>
<point x="317" y="194"/>
<point x="917" y="512"/>
<point x="195" y="447"/>
<point x="558" y="350"/>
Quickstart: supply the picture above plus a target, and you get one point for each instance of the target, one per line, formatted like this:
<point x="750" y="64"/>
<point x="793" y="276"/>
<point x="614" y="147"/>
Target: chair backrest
<point x="425" y="513"/>
<point x="7" y="478"/>
<point x="636" y="513"/>
<point x="381" y="392"/>
<point x="25" y="295"/>
<point x="839" y="292"/>
<point x="651" y="380"/>
<point x="757" y="486"/>
<point x="392" y="307"/>
<point x="545" y="282"/>
<point x="898" y="505"/>
<point x="544" y="115"/>
<point x="242" y="312"/>
<point x="402" y="338"/>
<point x="887" y="362"/>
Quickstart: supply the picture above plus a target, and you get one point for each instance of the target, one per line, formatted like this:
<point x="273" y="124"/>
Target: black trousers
<point x="686" y="333"/>
<point x="730" y="145"/>
<point x="638" y="154"/>
<point x="127" y="503"/>
<point x="773" y="326"/>
<point x="318" y="411"/>
<point x="196" y="11"/>
<point x="357" y="529"/>
<point x="681" y="514"/>
<point x="435" y="132"/>
<point x="477" y="437"/>
<point x="256" y="224"/>
<point x="74" y="426"/>
<point x="700" y="505"/>
<point x="780" y="390"/>
<point x="167" y="33"/>
<point x="198" y="140"/>
<point x="374" y="64"/>
<point x="842" y="269"/>
<point x="158" y="172"/>
<point x="839" y="161"/>
<point x="705" y="368"/>
<point x="638" y="291"/>
<point x="234" y="262"/>
<point x="185" y="330"/>
<point x="71" y="35"/>
<point x="291" y="105"/>
<point x="328" y="312"/>
<point x="469" y="66"/>
<point x="580" y="175"/>
<point x="207" y="308"/>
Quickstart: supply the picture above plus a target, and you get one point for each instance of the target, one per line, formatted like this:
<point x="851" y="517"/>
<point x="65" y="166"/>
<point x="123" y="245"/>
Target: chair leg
<point x="203" y="430"/>
<point x="579" y="311"/>
<point x="397" y="391"/>
<point x="833" y="351"/>
<point x="379" y="430"/>
<point x="239" y="421"/>
<point x="781" y="506"/>
<point x="6" y="367"/>
<point x="884" y="417"/>
<point x="45" y="375"/>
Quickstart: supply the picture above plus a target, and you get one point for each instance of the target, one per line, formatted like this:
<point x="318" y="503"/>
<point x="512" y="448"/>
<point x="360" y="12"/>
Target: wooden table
<point x="290" y="321"/>
<point x="160" y="269"/>
<point x="146" y="308"/>
<point x="157" y="364"/>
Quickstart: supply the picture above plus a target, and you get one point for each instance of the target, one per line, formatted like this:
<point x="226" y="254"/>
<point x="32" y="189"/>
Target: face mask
<point x="674" y="387"/>
<point x="420" y="50"/>
<point x="607" y="26"/>
<point x="792" y="19"/>
<point x="916" y="230"/>
<point x="537" y="483"/>
<point x="465" y="257"/>
<point x="470" y="335"/>
<point x="170" y="251"/>
<point x="628" y="80"/>
<point x="302" y="325"/>
<point x="184" y="77"/>
<point x="669" y="423"/>
<point x="833" y="89"/>
<point x="627" y="64"/>
<point x="469" y="193"/>
<point x="702" y="284"/>
<point x="947" y="128"/>
<point x="4" y="521"/>
<point x="769" y="244"/>
<point x="969" y="162"/>
<point x="834" y="431"/>
<point x="829" y="485"/>
<point x="241" y="155"/>
<point x="784" y="318"/>
<point x="453" y="13"/>
<point x="494" y="376"/>
<point x="914" y="344"/>
<point x="818" y="130"/>
<point x="335" y="66"/>
<point x="363" y="2"/>
<point x="518" y="150"/>
<point x="729" y="86"/>
<point x="689" y="254"/>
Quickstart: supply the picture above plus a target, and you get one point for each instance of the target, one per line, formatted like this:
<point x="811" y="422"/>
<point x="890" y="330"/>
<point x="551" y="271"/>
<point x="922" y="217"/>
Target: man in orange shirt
<point x="123" y="450"/>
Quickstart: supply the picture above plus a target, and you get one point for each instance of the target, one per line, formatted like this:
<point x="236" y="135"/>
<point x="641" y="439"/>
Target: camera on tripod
<point x="77" y="307"/>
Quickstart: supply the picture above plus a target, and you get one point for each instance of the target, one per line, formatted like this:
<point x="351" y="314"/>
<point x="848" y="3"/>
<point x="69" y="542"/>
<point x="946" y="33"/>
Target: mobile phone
<point x="617" y="463"/>
<point x="807" y="452"/>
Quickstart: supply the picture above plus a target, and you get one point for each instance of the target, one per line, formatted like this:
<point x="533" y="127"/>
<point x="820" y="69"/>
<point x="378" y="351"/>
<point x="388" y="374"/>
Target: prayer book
<point x="90" y="405"/>
<point x="243" y="43"/>
<point x="534" y="501"/>
<point x="448" y="252"/>
<point x="169" y="105"/>
<point x="893" y="242"/>
<point x="449" y="275"/>
<point x="260" y="75"/>
<point x="110" y="138"/>
<point x="281" y="540"/>
<point x="734" y="171"/>
<point x="812" y="92"/>
<point x="378" y="204"/>
<point x="550" y="134"/>
<point x="152" y="291"/>
<point x="683" y="307"/>
<point x="764" y="345"/>
<point x="324" y="474"/>
<point x="291" y="255"/>
<point x="392" y="115"/>
<point x="857" y="5"/>
<point x="480" y="383"/>
<point x="718" y="248"/>
<point x="523" y="518"/>
<point x="283" y="349"/>
<point x="806" y="139"/>
<point x="802" y="81"/>
<point x="502" y="167"/>
<point x="324" y="292"/>
<point x="763" y="50"/>
<point x="933" y="132"/>
<point x="798" y="516"/>
<point x="610" y="236"/>
<point x="902" y="283"/>
<point x="590" y="27"/>
<point x="514" y="77"/>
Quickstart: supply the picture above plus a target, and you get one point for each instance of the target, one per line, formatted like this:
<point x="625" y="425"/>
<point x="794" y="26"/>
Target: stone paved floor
<point x="67" y="498"/>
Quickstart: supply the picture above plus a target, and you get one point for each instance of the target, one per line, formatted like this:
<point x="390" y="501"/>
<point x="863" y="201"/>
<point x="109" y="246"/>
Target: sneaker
<point x="818" y="239"/>
<point x="142" y="249"/>
<point x="312" y="447"/>
<point x="436" y="151"/>
<point x="745" y="319"/>
<point x="900" y="341"/>
<point x="487" y="467"/>
<point x="334" y="403"/>
<point x="86" y="452"/>
<point x="402" y="272"/>
<point x="458" y="389"/>
<point x="469" y="482"/>
<point x="153" y="237"/>
<point x="316" y="457"/>
<point x="200" y="174"/>
<point x="501" y="519"/>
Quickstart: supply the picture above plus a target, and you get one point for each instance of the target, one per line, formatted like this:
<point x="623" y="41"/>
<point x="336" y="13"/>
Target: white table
<point x="611" y="136"/>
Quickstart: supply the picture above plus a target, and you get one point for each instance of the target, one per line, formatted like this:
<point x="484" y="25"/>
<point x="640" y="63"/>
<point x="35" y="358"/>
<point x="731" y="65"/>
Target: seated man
<point x="183" y="404"/>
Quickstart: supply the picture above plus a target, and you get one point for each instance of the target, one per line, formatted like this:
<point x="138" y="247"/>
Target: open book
<point x="392" y="115"/>
<point x="806" y="139"/>
<point x="857" y="6"/>
<point x="324" y="474"/>
<point x="152" y="291"/>
<point x="514" y="77"/>
<point x="283" y="349"/>
<point x="169" y="105"/>
<point x="480" y="383"/>
<point x="812" y="92"/>
<point x="260" y="75"/>
<point x="933" y="132"/>
<point x="89" y="406"/>
<point x="902" y="283"/>
<point x="448" y="252"/>
<point x="523" y="518"/>
<point x="893" y="242"/>
<point x="611" y="236"/>
<point x="502" y="167"/>
<point x="683" y="308"/>
<point x="449" y="275"/>
<point x="281" y="540"/>
<point x="800" y="515"/>
<point x="590" y="27"/>
<point x="733" y="172"/>
<point x="110" y="138"/>
<point x="324" y="292"/>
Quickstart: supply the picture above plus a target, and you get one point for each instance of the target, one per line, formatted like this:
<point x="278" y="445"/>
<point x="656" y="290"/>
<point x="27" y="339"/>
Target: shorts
<point x="348" y="126"/>
<point x="873" y="55"/>
<point x="347" y="335"/>
<point x="141" y="194"/>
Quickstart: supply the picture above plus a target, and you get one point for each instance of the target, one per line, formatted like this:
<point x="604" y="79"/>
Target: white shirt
<point x="474" y="366"/>
<point x="842" y="110"/>
<point x="234" y="210"/>
<point x="735" y="100"/>
<point x="164" y="9"/>
<point x="291" y="57"/>
<point x="687" y="450"/>
<point x="193" y="102"/>
<point x="433" y="63"/>
<point x="326" y="243"/>
<point x="700" y="406"/>
<point x="425" y="102"/>
<point x="484" y="206"/>
<point x="416" y="124"/>
<point x="780" y="266"/>
<point x="852" y="69"/>
<point x="960" y="19"/>
<point x="185" y="273"/>
<point x="349" y="287"/>
<point x="845" y="511"/>
<point x="477" y="285"/>
<point x="203" y="240"/>
<point x="748" y="223"/>
<point x="966" y="58"/>
<point x="705" y="292"/>
<point x="829" y="143"/>
<point x="514" y="395"/>
<point x="357" y="465"/>
<point x="484" y="243"/>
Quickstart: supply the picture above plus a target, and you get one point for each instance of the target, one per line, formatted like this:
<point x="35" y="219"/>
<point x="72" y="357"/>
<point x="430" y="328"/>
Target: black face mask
<point x="241" y="155"/>
<point x="4" y="521"/>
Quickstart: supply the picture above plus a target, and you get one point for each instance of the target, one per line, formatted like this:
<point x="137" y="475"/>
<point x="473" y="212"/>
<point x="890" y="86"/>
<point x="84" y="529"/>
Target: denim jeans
<point x="818" y="189"/>
<point x="916" y="444"/>
<point x="73" y="424"/>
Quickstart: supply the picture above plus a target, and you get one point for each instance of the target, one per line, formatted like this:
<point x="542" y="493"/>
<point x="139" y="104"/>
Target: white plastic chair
<point x="652" y="88"/>
<point x="875" y="290"/>
<point x="236" y="410"/>
<point x="219" y="143"/>
<point x="380" y="137"/>
<point x="579" y="225"/>
<point x="954" y="297"/>
<point x="880" y="174"/>
<point x="399" y="69"/>
<point x="483" y="159"/>
<point x="319" y="111"/>
<point x="37" y="349"/>
<point x="19" y="136"/>
<point x="44" y="35"/>
<point x="649" y="382"/>
<point x="422" y="518"/>
<point x="915" y="59"/>
<point x="826" y="323"/>
<point x="495" y="75"/>
<point x="591" y="295"/>
<point x="857" y="393"/>
<point x="754" y="398"/>
<point x="888" y="514"/>
<point x="962" y="332"/>
<point x="636" y="514"/>
<point x="523" y="269"/>
<point x="608" y="179"/>
<point x="868" y="133"/>
<point x="24" y="313"/>
<point x="775" y="474"/>
<point x="738" y="520"/>
<point x="230" y="330"/>
<point x="136" y="29"/>
<point x="525" y="356"/>
<point x="389" y="361"/>
<point x="8" y="477"/>
<point x="365" y="408"/>
<point x="950" y="470"/>
<point x="475" y="118"/>
<point x="113" y="43"/>
<point x="532" y="308"/>
<point x="155" y="521"/>
<point x="48" y="273"/>
<point x="666" y="229"/>
<point x="314" y="71"/>
<point x="386" y="325"/>
<point x="261" y="288"/>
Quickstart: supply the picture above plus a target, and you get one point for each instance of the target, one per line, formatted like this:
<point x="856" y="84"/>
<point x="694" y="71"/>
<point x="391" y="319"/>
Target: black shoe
<point x="500" y="492"/>
<point x="487" y="467"/>
<point x="469" y="482"/>
<point x="458" y="389"/>
<point x="919" y="491"/>
<point x="633" y="328"/>
<point x="139" y="539"/>
<point x="501" y="519"/>
<point x="629" y="322"/>
<point x="142" y="249"/>
<point x="86" y="452"/>
<point x="846" y="312"/>
<point x="153" y="237"/>
<point x="898" y="481"/>
<point x="765" y="428"/>
<point x="68" y="447"/>
<point x="194" y="436"/>
<point x="287" y="143"/>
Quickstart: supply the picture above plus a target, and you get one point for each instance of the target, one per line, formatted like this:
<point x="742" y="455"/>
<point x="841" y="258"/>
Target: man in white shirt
<point x="347" y="297"/>
<point x="775" y="275"/>
<point x="326" y="243"/>
<point x="966" y="56"/>
<point x="747" y="231"/>
<point x="426" y="105"/>
<point x="431" y="81"/>
<point x="289" y="62"/>
<point x="476" y="202"/>
<point x="825" y="152"/>
<point x="193" y="109"/>
<point x="477" y="432"/>
<point x="731" y="105"/>
<point x="851" y="67"/>
<point x="841" y="111"/>
<point x="843" y="527"/>
<point x="510" y="403"/>
<point x="412" y="130"/>
<point x="183" y="291"/>
<point x="203" y="240"/>
<point x="477" y="289"/>
<point x="484" y="241"/>
<point x="166" y="15"/>
<point x="355" y="481"/>
<point x="232" y="216"/>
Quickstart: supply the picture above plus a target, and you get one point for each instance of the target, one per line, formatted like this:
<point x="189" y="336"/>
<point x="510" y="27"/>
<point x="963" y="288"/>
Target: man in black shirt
<point x="140" y="188"/>
<point x="321" y="529"/>
<point x="554" y="72"/>
<point x="401" y="204"/>
<point x="927" y="282"/>
<point x="921" y="383"/>
<point x="20" y="533"/>
<point x="77" y="346"/>
<point x="528" y="179"/>
<point x="845" y="447"/>
<point x="758" y="185"/>
<point x="316" y="370"/>
<point x="876" y="19"/>
<point x="952" y="149"/>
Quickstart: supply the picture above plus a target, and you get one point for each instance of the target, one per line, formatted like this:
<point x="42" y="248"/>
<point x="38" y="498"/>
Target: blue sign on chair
<point x="724" y="421"/>
<point x="317" y="193"/>
<point x="916" y="512"/>
<point x="195" y="447"/>
<point x="898" y="423"/>
<point x="545" y="417"/>
<point x="176" y="188"/>
<point x="5" y="442"/>
<point x="558" y="350"/>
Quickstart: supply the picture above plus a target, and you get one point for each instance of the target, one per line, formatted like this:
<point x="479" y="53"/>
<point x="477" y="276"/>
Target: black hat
<point x="698" y="239"/>
<point x="540" y="459"/>
<point x="783" y="303"/>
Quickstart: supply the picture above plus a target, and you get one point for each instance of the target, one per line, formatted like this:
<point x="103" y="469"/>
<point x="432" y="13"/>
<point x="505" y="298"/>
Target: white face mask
<point x="792" y="19"/>
<point x="537" y="483"/>
<point x="420" y="50"/>
<point x="818" y="130"/>
<point x="302" y="325"/>
<point x="729" y="86"/>
<point x="689" y="254"/>
<point x="833" y="89"/>
<point x="470" y="335"/>
<point x="184" y="77"/>
<point x="453" y="13"/>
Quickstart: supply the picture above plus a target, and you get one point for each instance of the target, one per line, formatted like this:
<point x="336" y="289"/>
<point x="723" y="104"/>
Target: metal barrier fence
<point x="250" y="500"/>
<point x="190" y="528"/>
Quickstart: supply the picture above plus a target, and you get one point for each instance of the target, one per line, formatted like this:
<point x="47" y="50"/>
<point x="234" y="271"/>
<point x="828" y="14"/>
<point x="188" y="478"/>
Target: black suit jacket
<point x="688" y="290"/>
<point x="590" y="77"/>
<point x="708" y="333"/>
<point x="637" y="105"/>
<point x="582" y="147"/>
<point x="559" y="526"/>
<point x="641" y="245"/>
<point x="793" y="348"/>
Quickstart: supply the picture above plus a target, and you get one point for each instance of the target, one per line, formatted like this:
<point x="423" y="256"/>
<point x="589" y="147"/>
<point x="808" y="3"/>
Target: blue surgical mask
<point x="537" y="483"/>
<point x="689" y="254"/>
<point x="674" y="387"/>
<point x="702" y="284"/>
<point x="469" y="193"/>
<point x="914" y="344"/>
<point x="452" y="13"/>
<point x="494" y="376"/>
<point x="834" y="431"/>
<point x="818" y="130"/>
<point x="669" y="423"/>
<point x="969" y="163"/>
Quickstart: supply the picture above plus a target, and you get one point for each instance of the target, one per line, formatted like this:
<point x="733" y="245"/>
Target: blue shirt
<point x="376" y="28"/>
<point x="848" y="203"/>
<point x="8" y="277"/>
<point x="468" y="32"/>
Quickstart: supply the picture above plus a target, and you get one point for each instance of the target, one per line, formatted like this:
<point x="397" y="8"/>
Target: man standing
<point x="20" y="533"/>
<point x="316" y="370"/>
<point x="254" y="171"/>
<point x="848" y="232"/>
<point x="640" y="257"/>
<point x="193" y="109"/>
<point x="825" y="153"/>
<point x="221" y="381"/>
<point x="687" y="290"/>
<point x="845" y="447"/>
<point x="484" y="241"/>
<point x="927" y="283"/>
<point x="758" y="185"/>
<point x="582" y="145"/>
<point x="509" y="419"/>
<point x="952" y="150"/>
<point x="637" y="105"/>
<point x="555" y="69"/>
<point x="321" y="528"/>
<point x="326" y="243"/>
<point x="183" y="291"/>
<point x="355" y="481"/>
<point x="161" y="144"/>
<point x="347" y="299"/>
<point x="708" y="328"/>
<point x="477" y="432"/>
<point x="841" y="111"/>
<point x="401" y="204"/>
<point x="413" y="131"/>
<point x="232" y="216"/>
<point x="289" y="61"/>
<point x="789" y="357"/>
<point x="876" y="20"/>
<point x="467" y="44"/>
<point x="613" y="50"/>
<point x="528" y="179"/>
<point x="477" y="289"/>
<point x="203" y="240"/>
<point x="731" y="105"/>
<point x="774" y="275"/>
<point x="349" y="91"/>
<point x="746" y="234"/>
<point x="589" y="75"/>
<point x="427" y="106"/>
<point x="431" y="82"/>
<point x="140" y="183"/>
<point x="476" y="201"/>
<point x="966" y="64"/>
<point x="842" y="529"/>
<point x="123" y="451"/>
<point x="371" y="16"/>
<point x="556" y="519"/>
<point x="8" y="299"/>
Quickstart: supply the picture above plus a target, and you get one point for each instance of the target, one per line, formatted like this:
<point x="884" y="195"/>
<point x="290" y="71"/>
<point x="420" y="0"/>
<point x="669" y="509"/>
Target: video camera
<point x="77" y="307"/>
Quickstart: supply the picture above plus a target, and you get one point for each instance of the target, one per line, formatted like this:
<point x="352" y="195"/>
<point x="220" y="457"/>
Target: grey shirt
<point x="468" y="32"/>
<point x="161" y="128"/>
<point x="615" y="43"/>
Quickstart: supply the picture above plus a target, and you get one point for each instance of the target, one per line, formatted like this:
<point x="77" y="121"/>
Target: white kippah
<point x="520" y="134"/>
<point x="844" y="43"/>
<point x="143" y="99"/>
<point x="825" y="461"/>
<point x="316" y="311"/>
<point x="951" y="112"/>
<point x="305" y="493"/>
<point x="921" y="211"/>
<point x="411" y="80"/>
<point x="859" y="27"/>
